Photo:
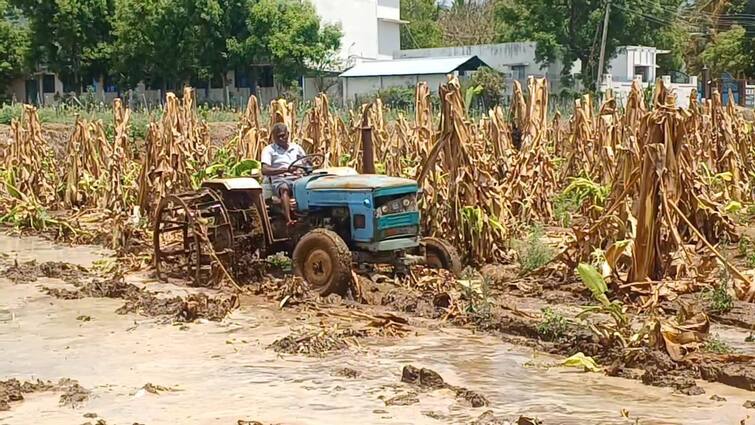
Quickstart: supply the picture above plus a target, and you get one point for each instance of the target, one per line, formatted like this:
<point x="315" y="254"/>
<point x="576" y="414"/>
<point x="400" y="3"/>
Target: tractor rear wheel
<point x="323" y="259"/>
<point x="439" y="254"/>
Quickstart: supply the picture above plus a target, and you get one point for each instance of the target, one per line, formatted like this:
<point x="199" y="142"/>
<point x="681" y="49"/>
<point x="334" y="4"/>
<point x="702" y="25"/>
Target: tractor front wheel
<point x="322" y="258"/>
<point x="439" y="254"/>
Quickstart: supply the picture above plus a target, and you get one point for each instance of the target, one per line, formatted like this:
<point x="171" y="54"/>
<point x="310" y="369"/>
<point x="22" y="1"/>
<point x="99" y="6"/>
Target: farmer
<point x="276" y="158"/>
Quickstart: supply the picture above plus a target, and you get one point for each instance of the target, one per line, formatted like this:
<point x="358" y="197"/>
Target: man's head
<point x="279" y="133"/>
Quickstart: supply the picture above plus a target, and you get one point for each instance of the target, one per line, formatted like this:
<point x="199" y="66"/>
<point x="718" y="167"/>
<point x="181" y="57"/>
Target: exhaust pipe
<point x="368" y="152"/>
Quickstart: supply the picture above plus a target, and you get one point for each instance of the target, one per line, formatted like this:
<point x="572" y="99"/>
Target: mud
<point x="403" y="400"/>
<point x="144" y="302"/>
<point x="74" y="395"/>
<point x="157" y="389"/>
<point x="427" y="379"/>
<point x="225" y="368"/>
<point x="14" y="390"/>
<point x="739" y="375"/>
<point x="347" y="373"/>
<point x="30" y="271"/>
<point x="317" y="343"/>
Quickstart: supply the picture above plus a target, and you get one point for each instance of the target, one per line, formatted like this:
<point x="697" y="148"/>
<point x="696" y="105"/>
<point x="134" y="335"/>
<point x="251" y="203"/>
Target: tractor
<point x="343" y="219"/>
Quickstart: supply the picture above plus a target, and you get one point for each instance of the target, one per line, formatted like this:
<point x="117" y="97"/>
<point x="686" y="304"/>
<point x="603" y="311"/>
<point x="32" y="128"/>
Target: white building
<point x="635" y="60"/>
<point x="368" y="77"/>
<point x="371" y="28"/>
<point x="641" y="63"/>
<point x="515" y="60"/>
<point x="371" y="31"/>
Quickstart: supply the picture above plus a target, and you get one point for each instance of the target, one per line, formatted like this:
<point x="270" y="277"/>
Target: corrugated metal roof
<point x="412" y="66"/>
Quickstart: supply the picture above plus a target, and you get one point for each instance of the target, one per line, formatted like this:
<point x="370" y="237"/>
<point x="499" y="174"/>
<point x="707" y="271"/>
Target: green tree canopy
<point x="730" y="51"/>
<point x="423" y="29"/>
<point x="70" y="37"/>
<point x="13" y="44"/>
<point x="288" y="35"/>
<point x="175" y="41"/>
<point x="568" y="31"/>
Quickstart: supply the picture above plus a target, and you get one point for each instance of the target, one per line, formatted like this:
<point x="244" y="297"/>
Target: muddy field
<point x="82" y="350"/>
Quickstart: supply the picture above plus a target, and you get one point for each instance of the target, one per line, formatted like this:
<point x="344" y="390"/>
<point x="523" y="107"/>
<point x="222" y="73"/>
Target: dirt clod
<point x="30" y="271"/>
<point x="74" y="396"/>
<point x="422" y="377"/>
<point x="740" y="375"/>
<point x="474" y="399"/>
<point x="156" y="389"/>
<point x="428" y="379"/>
<point x="147" y="303"/>
<point x="13" y="390"/>
<point x="749" y="404"/>
<point x="403" y="400"/>
<point x="489" y="418"/>
<point x="347" y="373"/>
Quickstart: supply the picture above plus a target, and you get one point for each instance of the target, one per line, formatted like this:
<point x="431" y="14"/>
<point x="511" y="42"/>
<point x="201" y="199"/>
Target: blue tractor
<point x="342" y="219"/>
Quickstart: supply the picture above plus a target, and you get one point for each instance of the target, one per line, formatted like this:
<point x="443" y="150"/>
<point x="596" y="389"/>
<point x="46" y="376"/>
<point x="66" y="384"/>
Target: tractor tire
<point x="440" y="254"/>
<point x="322" y="258"/>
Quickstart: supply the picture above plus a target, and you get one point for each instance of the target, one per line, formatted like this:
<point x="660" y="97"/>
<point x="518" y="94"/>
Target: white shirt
<point x="276" y="157"/>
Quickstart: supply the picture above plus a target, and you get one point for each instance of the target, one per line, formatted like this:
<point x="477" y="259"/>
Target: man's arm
<point x="270" y="171"/>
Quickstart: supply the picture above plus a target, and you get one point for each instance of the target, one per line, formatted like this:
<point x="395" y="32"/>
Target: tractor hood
<point x="369" y="182"/>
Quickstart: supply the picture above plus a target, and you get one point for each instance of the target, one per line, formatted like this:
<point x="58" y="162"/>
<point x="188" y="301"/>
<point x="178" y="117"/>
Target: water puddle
<point x="222" y="372"/>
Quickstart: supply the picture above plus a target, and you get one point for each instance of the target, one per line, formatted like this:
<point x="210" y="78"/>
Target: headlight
<point x="406" y="202"/>
<point x="384" y="209"/>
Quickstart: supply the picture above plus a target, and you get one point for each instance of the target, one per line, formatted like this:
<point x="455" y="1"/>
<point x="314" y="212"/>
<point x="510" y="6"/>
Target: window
<point x="643" y="71"/>
<point x="518" y="72"/>
<point x="242" y="80"/>
<point x="265" y="76"/>
<point x="217" y="81"/>
<point x="48" y="83"/>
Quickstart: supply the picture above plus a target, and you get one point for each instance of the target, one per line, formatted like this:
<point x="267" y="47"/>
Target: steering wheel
<point x="315" y="160"/>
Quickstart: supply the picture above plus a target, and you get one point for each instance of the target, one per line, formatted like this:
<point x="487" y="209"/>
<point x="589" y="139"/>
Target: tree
<point x="13" y="44"/>
<point x="286" y="34"/>
<point x="730" y="51"/>
<point x="70" y="37"/>
<point x="492" y="84"/>
<point x="175" y="42"/>
<point x="423" y="29"/>
<point x="713" y="19"/>
<point x="569" y="31"/>
<point x="468" y="22"/>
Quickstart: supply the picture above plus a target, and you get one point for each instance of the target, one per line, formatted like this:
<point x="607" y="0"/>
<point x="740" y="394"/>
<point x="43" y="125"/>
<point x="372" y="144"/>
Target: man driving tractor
<point x="276" y="160"/>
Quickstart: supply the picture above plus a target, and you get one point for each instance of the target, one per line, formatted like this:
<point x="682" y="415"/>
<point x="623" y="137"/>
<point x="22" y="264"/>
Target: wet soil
<point x="30" y="271"/>
<point x="151" y="304"/>
<point x="13" y="390"/>
<point x="229" y="367"/>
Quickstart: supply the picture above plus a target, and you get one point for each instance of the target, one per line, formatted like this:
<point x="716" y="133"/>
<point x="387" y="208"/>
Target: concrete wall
<point x="501" y="57"/>
<point x="621" y="89"/>
<point x="334" y="92"/>
<point x="354" y="87"/>
<point x="359" y="23"/>
<point x="750" y="95"/>
<point x="622" y="66"/>
<point x="389" y="38"/>
<point x="17" y="90"/>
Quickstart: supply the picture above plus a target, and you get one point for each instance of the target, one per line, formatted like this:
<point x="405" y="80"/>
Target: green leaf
<point x="594" y="282"/>
<point x="580" y="360"/>
<point x="245" y="167"/>
<point x="733" y="207"/>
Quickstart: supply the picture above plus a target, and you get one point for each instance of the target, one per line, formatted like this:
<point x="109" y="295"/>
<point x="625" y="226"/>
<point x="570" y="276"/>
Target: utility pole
<point x="603" y="46"/>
